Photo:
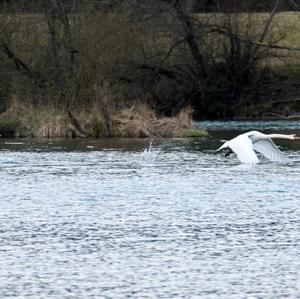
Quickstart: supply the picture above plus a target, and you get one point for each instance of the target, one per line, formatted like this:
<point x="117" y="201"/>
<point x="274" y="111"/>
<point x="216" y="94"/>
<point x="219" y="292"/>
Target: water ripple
<point x="106" y="222"/>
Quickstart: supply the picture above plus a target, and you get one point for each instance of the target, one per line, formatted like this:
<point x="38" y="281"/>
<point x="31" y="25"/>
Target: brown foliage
<point x="141" y="121"/>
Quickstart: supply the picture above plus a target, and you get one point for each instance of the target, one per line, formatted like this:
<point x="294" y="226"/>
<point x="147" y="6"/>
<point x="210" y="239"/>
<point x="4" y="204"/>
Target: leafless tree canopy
<point x="221" y="57"/>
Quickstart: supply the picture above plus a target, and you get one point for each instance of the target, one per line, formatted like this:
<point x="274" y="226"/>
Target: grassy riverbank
<point x="138" y="122"/>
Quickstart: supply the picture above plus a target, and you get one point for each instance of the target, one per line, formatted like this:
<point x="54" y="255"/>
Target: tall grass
<point x="138" y="121"/>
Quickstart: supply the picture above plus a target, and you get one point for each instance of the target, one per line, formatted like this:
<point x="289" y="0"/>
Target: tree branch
<point x="22" y="67"/>
<point x="221" y="30"/>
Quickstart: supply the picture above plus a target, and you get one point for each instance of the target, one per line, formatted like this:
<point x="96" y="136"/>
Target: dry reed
<point x="137" y="122"/>
<point x="141" y="121"/>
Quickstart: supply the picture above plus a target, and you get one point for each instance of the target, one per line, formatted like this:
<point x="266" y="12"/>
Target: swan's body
<point x="245" y="145"/>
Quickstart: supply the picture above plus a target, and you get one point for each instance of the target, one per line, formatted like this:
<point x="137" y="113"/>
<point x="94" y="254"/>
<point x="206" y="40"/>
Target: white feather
<point x="269" y="150"/>
<point x="243" y="148"/>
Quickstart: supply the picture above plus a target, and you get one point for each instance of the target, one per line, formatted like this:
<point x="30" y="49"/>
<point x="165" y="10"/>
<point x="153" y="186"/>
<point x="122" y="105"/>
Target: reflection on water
<point x="94" y="219"/>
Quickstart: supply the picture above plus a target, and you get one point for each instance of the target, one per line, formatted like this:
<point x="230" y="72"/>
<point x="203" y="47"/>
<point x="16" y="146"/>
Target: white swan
<point x="245" y="145"/>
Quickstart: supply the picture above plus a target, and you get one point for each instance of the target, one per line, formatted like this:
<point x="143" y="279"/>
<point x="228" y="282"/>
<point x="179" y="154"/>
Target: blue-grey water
<point x="109" y="219"/>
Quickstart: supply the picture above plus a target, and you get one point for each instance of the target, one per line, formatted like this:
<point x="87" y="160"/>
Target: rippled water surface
<point x="109" y="219"/>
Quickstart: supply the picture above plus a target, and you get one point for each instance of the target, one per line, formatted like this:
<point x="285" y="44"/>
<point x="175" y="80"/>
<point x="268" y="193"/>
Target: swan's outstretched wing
<point x="269" y="150"/>
<point x="243" y="148"/>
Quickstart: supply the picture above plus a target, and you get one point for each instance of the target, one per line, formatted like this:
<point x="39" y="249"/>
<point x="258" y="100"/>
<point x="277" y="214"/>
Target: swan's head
<point x="294" y="137"/>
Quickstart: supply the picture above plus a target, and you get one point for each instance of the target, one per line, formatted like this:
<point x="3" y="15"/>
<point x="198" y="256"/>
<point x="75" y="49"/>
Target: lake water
<point x="106" y="219"/>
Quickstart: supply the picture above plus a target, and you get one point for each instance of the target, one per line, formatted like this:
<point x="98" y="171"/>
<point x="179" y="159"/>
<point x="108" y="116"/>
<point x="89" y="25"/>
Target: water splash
<point x="149" y="155"/>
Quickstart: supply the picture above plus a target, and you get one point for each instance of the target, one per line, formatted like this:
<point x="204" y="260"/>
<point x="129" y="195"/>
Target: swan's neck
<point x="281" y="136"/>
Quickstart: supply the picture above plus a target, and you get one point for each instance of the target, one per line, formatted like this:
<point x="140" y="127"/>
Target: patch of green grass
<point x="192" y="133"/>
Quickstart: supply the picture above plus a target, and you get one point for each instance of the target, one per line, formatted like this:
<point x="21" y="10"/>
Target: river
<point x="110" y="219"/>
